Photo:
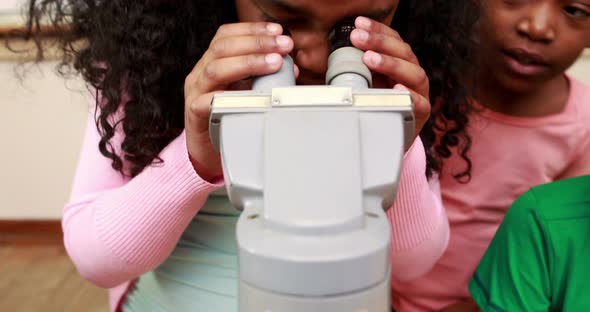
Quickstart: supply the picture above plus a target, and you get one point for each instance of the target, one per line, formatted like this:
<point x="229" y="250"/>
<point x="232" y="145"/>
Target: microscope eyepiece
<point x="285" y="77"/>
<point x="345" y="64"/>
<point x="340" y="35"/>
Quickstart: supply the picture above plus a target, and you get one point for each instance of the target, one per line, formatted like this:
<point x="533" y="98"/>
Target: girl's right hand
<point x="238" y="51"/>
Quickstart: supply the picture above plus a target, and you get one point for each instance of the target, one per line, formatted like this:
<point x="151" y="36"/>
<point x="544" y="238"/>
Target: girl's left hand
<point x="386" y="53"/>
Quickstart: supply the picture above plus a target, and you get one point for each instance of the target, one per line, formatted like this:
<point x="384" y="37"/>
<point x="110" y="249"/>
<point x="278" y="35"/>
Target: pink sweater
<point x="509" y="155"/>
<point x="116" y="229"/>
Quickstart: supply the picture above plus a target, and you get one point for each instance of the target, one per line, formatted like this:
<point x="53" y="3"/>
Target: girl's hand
<point x="387" y="54"/>
<point x="237" y="52"/>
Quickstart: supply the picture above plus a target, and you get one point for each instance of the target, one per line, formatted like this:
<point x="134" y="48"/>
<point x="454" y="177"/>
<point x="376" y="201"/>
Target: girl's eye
<point x="576" y="11"/>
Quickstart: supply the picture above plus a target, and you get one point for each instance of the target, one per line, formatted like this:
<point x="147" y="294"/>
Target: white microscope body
<point x="313" y="168"/>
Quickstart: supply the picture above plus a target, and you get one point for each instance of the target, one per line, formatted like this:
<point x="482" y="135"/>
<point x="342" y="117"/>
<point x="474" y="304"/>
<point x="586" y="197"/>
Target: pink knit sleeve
<point x="116" y="228"/>
<point x="419" y="224"/>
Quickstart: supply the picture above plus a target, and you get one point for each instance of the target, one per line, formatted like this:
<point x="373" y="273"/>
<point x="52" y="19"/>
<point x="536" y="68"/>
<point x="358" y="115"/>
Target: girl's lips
<point x="524" y="63"/>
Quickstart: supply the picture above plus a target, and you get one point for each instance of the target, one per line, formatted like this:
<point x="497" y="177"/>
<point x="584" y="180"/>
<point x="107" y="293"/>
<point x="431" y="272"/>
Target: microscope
<point x="313" y="169"/>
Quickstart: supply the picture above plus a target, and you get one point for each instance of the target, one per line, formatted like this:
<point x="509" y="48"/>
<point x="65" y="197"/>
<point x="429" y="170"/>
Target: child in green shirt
<point x="539" y="259"/>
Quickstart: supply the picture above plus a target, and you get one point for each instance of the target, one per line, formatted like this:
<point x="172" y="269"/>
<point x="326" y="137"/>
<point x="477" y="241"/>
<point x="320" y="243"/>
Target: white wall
<point x="42" y="120"/>
<point x="9" y="5"/>
<point x="10" y="12"/>
<point x="581" y="70"/>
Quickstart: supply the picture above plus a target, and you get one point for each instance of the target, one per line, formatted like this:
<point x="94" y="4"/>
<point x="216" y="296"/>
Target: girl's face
<point x="310" y="22"/>
<point x="525" y="43"/>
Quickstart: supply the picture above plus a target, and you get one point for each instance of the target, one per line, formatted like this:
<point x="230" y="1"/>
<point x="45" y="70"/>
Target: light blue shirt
<point x="201" y="273"/>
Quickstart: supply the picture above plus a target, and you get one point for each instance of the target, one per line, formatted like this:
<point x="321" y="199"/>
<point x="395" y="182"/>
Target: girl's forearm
<point x="419" y="224"/>
<point x="115" y="234"/>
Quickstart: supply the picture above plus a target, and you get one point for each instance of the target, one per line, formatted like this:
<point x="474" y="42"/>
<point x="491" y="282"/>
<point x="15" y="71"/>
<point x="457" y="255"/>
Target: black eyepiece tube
<point x="340" y="35"/>
<point x="345" y="64"/>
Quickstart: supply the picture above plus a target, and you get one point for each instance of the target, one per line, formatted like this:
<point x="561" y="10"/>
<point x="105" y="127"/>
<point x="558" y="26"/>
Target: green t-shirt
<point x="539" y="259"/>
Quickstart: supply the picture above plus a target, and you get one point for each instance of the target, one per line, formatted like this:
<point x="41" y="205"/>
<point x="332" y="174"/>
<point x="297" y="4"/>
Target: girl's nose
<point x="538" y="24"/>
<point x="311" y="56"/>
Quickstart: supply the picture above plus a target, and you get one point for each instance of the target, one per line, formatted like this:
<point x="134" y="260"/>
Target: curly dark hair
<point x="137" y="54"/>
